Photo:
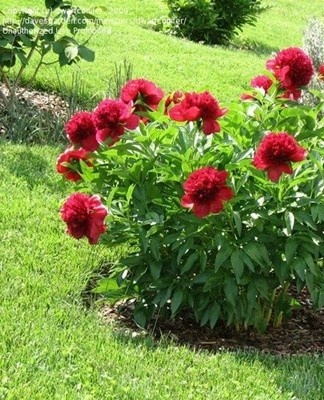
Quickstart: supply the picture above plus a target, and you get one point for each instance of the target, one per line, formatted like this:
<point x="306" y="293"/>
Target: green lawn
<point x="51" y="345"/>
<point x="179" y="64"/>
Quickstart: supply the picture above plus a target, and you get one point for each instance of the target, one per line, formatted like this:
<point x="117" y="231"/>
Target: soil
<point x="303" y="333"/>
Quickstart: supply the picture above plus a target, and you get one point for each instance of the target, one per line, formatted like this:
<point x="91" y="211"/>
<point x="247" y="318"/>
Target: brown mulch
<point x="303" y="333"/>
<point x="40" y="100"/>
<point x="38" y="109"/>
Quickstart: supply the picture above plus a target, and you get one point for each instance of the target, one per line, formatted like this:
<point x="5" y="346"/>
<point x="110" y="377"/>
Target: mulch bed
<point x="303" y="333"/>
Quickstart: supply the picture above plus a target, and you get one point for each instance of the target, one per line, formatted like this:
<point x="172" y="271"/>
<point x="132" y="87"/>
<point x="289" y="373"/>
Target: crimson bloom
<point x="173" y="98"/>
<point x="84" y="216"/>
<point x="205" y="191"/>
<point x="275" y="154"/>
<point x="199" y="106"/>
<point x="70" y="158"/>
<point x="81" y="131"/>
<point x="292" y="67"/>
<point x="142" y="93"/>
<point x="262" y="82"/>
<point x="111" y="118"/>
<point x="321" y="72"/>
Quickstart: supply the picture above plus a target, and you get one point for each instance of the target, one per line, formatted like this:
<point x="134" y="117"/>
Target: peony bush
<point x="221" y="210"/>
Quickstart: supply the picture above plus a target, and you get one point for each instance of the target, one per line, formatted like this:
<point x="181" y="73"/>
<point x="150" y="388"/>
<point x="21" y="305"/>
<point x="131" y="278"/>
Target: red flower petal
<point x="210" y="126"/>
<point x="132" y="122"/>
<point x="201" y="210"/>
<point x="275" y="172"/>
<point x="191" y="114"/>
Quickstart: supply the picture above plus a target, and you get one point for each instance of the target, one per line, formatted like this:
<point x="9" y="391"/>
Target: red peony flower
<point x="291" y="94"/>
<point x="292" y="67"/>
<point x="196" y="106"/>
<point x="84" y="216"/>
<point x="262" y="82"/>
<point x="321" y="72"/>
<point x="258" y="82"/>
<point x="142" y="93"/>
<point x="81" y="131"/>
<point x="206" y="191"/>
<point x="173" y="98"/>
<point x="275" y="154"/>
<point x="70" y="158"/>
<point x="111" y="118"/>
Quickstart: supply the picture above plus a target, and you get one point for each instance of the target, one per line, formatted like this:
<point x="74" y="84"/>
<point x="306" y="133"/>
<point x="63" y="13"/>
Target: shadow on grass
<point x="33" y="168"/>
<point x="259" y="48"/>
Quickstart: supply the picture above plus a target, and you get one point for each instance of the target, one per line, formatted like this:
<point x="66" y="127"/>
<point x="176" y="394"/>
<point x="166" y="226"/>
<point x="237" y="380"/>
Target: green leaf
<point x="214" y="313"/>
<point x="109" y="288"/>
<point x="77" y="21"/>
<point x="290" y="249"/>
<point x="290" y="221"/>
<point x="310" y="263"/>
<point x="252" y="293"/>
<point x="237" y="264"/>
<point x="320" y="299"/>
<point x="140" y="317"/>
<point x="21" y="55"/>
<point x="202" y="277"/>
<point x="252" y="251"/>
<point x="247" y="261"/>
<point x="184" y="248"/>
<point x="238" y="222"/>
<point x="53" y="4"/>
<point x="176" y="301"/>
<point x="7" y="58"/>
<point x="144" y="241"/>
<point x="212" y="282"/>
<point x="86" y="54"/>
<point x="26" y="40"/>
<point x="59" y="46"/>
<point x="305" y="218"/>
<point x="222" y="256"/>
<point x="263" y="287"/>
<point x="190" y="262"/>
<point x="205" y="317"/>
<point x="155" y="269"/>
<point x="231" y="290"/>
<point x="163" y="296"/>
<point x="299" y="266"/>
<point x="155" y="248"/>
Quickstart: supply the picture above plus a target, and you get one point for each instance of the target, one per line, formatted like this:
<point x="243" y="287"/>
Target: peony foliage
<point x="221" y="210"/>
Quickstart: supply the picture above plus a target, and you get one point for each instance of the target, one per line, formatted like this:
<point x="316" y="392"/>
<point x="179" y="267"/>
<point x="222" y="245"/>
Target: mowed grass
<point x="51" y="345"/>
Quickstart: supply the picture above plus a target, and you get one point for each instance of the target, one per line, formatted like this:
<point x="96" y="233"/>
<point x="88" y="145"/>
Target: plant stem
<point x="23" y="66"/>
<point x="269" y="312"/>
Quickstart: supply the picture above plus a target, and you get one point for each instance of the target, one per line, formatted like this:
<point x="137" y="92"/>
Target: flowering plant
<point x="222" y="211"/>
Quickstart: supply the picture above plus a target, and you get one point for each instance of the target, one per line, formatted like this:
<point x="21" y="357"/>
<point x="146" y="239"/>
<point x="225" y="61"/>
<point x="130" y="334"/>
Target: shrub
<point x="313" y="44"/>
<point x="212" y="21"/>
<point x="222" y="210"/>
<point x="33" y="36"/>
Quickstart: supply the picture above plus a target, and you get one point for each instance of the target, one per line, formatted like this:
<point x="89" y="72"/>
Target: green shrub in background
<point x="211" y="21"/>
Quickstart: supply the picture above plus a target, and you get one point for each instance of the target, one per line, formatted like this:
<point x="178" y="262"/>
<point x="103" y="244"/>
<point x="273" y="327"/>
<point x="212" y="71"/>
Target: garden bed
<point x="301" y="334"/>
